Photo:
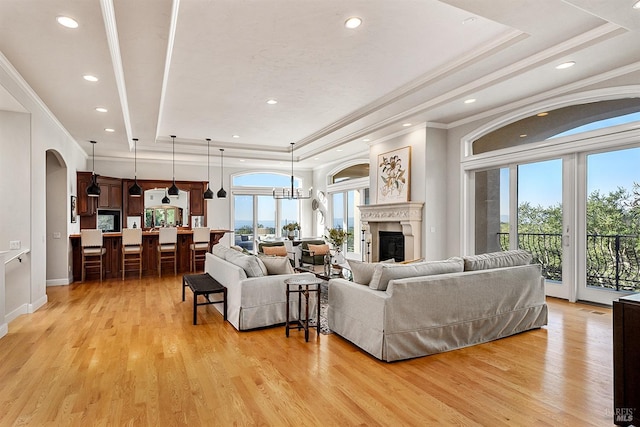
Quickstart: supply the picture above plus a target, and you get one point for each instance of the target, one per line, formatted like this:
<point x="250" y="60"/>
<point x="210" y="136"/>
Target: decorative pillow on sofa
<point x="275" y="250"/>
<point x="220" y="250"/>
<point x="385" y="272"/>
<point x="363" y="271"/>
<point x="497" y="260"/>
<point x="318" y="249"/>
<point x="248" y="263"/>
<point x="276" y="265"/>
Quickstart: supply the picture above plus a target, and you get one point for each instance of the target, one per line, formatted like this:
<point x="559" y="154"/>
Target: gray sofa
<point x="431" y="307"/>
<point x="256" y="293"/>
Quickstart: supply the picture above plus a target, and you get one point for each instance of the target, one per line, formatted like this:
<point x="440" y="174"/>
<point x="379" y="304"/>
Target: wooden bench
<point x="205" y="285"/>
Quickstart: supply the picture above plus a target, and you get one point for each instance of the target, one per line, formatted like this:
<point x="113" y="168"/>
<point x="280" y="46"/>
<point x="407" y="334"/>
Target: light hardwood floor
<point x="126" y="353"/>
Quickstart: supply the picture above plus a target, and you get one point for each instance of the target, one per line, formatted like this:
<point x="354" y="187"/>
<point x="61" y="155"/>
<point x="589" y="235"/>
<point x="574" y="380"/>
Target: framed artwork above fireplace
<point x="394" y="176"/>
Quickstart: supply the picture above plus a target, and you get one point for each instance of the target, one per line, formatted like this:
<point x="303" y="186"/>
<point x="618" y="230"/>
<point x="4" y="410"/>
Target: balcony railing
<point x="613" y="262"/>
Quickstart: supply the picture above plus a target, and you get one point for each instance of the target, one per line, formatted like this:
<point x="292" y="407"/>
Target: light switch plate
<point x="14" y="244"/>
<point x="56" y="234"/>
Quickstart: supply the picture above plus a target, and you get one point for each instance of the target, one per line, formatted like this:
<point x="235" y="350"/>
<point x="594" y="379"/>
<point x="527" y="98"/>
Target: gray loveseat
<point x="256" y="293"/>
<point x="407" y="311"/>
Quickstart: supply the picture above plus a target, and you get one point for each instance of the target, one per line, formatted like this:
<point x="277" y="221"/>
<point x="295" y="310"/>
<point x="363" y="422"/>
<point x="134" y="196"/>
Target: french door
<point x="527" y="206"/>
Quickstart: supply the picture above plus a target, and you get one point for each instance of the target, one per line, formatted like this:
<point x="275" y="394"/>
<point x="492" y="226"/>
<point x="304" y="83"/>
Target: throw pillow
<point x="248" y="263"/>
<point x="276" y="265"/>
<point x="497" y="260"/>
<point x="318" y="249"/>
<point x="263" y="267"/>
<point x="363" y="271"/>
<point x="274" y="250"/>
<point x="384" y="273"/>
<point x="220" y="251"/>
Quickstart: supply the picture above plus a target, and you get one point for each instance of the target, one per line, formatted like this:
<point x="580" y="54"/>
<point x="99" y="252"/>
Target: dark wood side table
<point x="302" y="287"/>
<point x="626" y="370"/>
<point x="205" y="285"/>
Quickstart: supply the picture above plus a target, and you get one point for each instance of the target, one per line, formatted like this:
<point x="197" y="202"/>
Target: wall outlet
<point x="56" y="234"/>
<point x="14" y="244"/>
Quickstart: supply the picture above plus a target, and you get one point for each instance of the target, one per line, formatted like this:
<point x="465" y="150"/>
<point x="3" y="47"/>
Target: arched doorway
<point x="58" y="215"/>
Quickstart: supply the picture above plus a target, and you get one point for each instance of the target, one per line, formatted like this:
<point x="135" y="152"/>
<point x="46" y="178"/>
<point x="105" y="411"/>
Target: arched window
<point x="349" y="188"/>
<point x="560" y="122"/>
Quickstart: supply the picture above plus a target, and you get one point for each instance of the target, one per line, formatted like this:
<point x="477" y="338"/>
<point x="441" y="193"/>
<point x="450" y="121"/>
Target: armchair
<point x="309" y="256"/>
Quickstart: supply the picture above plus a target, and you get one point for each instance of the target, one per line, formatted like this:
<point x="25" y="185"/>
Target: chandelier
<point x="291" y="193"/>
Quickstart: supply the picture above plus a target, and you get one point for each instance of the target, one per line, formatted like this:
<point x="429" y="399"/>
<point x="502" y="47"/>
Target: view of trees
<point x="613" y="243"/>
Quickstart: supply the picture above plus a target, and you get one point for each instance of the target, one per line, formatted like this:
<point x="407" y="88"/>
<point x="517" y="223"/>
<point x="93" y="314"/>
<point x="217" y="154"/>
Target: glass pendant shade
<point x="208" y="194"/>
<point x="93" y="190"/>
<point x="221" y="193"/>
<point x="165" y="199"/>
<point x="135" y="190"/>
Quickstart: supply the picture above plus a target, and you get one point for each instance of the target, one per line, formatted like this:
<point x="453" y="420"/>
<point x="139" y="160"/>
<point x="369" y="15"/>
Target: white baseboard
<point x="4" y="330"/>
<point x="23" y="309"/>
<point x="38" y="303"/>
<point x="58" y="282"/>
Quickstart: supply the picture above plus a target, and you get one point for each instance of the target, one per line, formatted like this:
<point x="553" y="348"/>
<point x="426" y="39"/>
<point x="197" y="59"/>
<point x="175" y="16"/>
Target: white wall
<point x="16" y="209"/>
<point x="25" y="176"/>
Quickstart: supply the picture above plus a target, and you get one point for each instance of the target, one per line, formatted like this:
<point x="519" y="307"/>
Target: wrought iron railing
<point x="613" y="262"/>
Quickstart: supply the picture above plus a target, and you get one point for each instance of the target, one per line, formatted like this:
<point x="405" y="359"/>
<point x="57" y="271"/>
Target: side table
<point x="302" y="287"/>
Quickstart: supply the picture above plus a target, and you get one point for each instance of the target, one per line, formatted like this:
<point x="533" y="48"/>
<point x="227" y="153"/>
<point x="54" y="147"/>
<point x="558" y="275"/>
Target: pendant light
<point x="165" y="199"/>
<point x="208" y="194"/>
<point x="221" y="193"/>
<point x="174" y="190"/>
<point x="291" y="193"/>
<point x="93" y="190"/>
<point x="135" y="190"/>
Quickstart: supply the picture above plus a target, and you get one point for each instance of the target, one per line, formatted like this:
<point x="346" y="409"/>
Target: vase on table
<point x="338" y="258"/>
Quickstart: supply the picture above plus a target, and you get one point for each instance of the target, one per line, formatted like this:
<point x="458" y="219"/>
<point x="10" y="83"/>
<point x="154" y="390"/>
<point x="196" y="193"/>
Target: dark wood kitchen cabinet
<point x="110" y="193"/>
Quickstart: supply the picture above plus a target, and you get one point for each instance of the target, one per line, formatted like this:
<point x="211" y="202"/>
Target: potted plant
<point x="291" y="229"/>
<point x="337" y="237"/>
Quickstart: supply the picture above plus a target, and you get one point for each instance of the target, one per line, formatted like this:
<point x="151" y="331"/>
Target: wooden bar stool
<point x="200" y="245"/>
<point x="168" y="248"/>
<point x="92" y="250"/>
<point x="132" y="250"/>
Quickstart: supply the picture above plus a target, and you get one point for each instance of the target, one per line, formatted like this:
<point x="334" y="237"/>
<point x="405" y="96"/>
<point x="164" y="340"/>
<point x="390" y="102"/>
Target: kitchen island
<point x="112" y="242"/>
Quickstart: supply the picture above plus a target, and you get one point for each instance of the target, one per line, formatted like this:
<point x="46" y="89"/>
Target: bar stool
<point x="200" y="245"/>
<point x="168" y="248"/>
<point x="132" y="250"/>
<point x="92" y="250"/>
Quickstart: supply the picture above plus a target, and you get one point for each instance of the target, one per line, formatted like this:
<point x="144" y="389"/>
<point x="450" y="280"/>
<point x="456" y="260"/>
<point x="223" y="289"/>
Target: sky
<point x="540" y="183"/>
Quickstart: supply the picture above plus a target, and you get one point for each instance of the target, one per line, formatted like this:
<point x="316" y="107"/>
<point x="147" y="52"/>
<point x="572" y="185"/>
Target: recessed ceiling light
<point x="353" y="22"/>
<point x="236" y="136"/>
<point x="109" y="130"/>
<point x="564" y="65"/>
<point x="469" y="101"/>
<point x="316" y="158"/>
<point x="339" y="149"/>
<point x="101" y="109"/>
<point x="90" y="78"/>
<point x="272" y="101"/>
<point x="523" y="135"/>
<point x="544" y="113"/>
<point x="636" y="5"/>
<point x="406" y="125"/>
<point x="469" y="20"/>
<point x="65" y="21"/>
<point x="242" y="160"/>
<point x="366" y="140"/>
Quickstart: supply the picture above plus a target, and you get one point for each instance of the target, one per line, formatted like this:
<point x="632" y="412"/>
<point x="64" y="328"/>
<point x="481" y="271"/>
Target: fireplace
<point x="391" y="245"/>
<point x="403" y="218"/>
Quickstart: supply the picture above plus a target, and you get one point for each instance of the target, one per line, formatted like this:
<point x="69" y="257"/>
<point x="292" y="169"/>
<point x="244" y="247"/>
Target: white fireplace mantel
<point x="404" y="216"/>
